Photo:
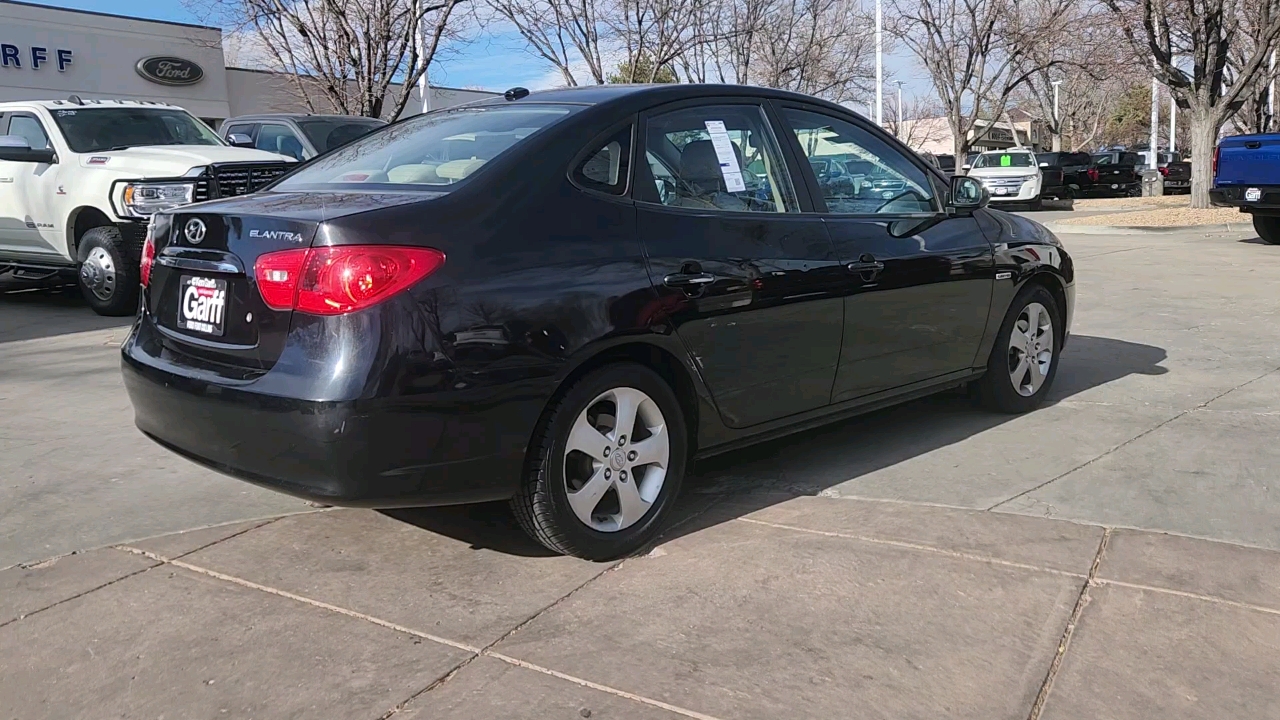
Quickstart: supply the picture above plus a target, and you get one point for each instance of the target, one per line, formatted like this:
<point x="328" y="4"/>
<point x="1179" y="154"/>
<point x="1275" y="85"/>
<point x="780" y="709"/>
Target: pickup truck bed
<point x="1246" y="175"/>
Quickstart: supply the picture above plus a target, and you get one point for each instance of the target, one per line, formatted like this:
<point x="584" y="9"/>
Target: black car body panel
<point x="432" y="396"/>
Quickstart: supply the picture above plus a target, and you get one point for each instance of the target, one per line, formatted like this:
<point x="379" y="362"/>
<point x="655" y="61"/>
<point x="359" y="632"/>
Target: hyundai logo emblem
<point x="194" y="231"/>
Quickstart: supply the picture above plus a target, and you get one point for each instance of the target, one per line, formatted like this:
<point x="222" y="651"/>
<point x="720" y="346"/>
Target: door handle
<point x="688" y="280"/>
<point x="865" y="266"/>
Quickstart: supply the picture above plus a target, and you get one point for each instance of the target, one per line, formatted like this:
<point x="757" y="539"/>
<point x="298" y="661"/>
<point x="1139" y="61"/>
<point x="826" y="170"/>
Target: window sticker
<point x="66" y="113"/>
<point x="726" y="156"/>
<point x="1005" y="161"/>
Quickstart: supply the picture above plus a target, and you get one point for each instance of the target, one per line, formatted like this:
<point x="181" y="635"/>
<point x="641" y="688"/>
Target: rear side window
<point x="426" y="152"/>
<point x="606" y="167"/>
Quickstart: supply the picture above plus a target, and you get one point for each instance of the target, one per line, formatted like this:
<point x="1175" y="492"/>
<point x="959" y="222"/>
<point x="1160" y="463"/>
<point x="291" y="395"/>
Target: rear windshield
<point x="428" y="152"/>
<point x="329" y="133"/>
<point x="100" y="129"/>
<point x="999" y="160"/>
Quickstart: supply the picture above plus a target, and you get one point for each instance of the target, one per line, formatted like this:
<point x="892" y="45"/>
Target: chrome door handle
<point x="865" y="266"/>
<point x="688" y="280"/>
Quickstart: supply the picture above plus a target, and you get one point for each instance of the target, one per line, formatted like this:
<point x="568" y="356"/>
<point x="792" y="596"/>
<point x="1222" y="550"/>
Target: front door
<point x="917" y="283"/>
<point x="29" y="215"/>
<point x="751" y="282"/>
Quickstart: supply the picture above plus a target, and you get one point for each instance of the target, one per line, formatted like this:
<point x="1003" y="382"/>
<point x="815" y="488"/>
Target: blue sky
<point x="494" y="61"/>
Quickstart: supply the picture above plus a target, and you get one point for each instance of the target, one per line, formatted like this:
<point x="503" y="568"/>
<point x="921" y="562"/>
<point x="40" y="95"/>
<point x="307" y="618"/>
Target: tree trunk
<point x="959" y="146"/>
<point x="1057" y="141"/>
<point x="1204" y="137"/>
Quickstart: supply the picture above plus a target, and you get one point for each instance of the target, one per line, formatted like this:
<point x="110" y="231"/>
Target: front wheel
<point x="1024" y="359"/>
<point x="605" y="465"/>
<point x="108" y="273"/>
<point x="1268" y="228"/>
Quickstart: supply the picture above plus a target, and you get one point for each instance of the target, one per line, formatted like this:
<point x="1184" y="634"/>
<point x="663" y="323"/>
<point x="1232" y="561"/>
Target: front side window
<point x="277" y="138"/>
<point x="606" y="167"/>
<point x="98" y="129"/>
<point x="329" y="133"/>
<point x="1005" y="159"/>
<point x="428" y="152"/>
<point x="719" y="157"/>
<point x="856" y="171"/>
<point x="26" y="126"/>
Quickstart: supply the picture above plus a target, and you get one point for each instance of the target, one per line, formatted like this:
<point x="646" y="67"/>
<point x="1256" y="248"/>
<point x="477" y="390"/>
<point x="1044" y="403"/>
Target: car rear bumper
<point x="1236" y="196"/>
<point x="357" y="454"/>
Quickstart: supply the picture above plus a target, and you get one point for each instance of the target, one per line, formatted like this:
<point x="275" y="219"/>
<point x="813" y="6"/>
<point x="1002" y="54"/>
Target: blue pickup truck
<point x="1246" y="175"/>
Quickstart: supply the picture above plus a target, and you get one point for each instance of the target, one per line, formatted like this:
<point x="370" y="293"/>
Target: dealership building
<point x="49" y="53"/>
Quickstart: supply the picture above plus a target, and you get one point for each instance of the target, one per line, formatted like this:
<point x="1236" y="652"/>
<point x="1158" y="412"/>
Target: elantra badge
<point x="276" y="235"/>
<point x="195" y="231"/>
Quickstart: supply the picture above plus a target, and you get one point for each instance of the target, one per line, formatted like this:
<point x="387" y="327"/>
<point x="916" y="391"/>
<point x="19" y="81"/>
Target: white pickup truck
<point x="80" y="179"/>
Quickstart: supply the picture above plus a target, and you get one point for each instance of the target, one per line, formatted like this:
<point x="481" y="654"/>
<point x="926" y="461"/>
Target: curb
<point x="1063" y="229"/>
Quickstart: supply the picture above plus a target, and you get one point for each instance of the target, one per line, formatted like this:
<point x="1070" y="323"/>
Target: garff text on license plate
<point x="203" y="303"/>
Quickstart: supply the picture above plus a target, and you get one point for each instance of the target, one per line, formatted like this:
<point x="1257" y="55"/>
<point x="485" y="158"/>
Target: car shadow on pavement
<point x="1255" y="240"/>
<point x="810" y="462"/>
<point x="31" y="312"/>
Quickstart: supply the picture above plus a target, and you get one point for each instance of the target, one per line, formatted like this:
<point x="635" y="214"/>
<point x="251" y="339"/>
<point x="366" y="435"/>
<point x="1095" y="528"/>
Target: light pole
<point x="879" y="67"/>
<point x="1173" y="124"/>
<point x="1155" y="117"/>
<point x="1271" y="94"/>
<point x="1057" y="124"/>
<point x="898" y="134"/>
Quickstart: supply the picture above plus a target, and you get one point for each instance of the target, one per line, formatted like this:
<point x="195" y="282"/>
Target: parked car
<point x="79" y="179"/>
<point x="1246" y="175"/>
<point x="300" y="137"/>
<point x="1113" y="173"/>
<point x="1176" y="172"/>
<point x="1072" y="166"/>
<point x="630" y="300"/>
<point x="1015" y="177"/>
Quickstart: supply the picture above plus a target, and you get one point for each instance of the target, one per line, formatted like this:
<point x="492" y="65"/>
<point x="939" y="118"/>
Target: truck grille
<point x="230" y="180"/>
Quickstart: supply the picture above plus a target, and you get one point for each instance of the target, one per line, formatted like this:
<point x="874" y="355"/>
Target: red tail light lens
<point x="1092" y="173"/>
<point x="148" y="259"/>
<point x="1216" y="152"/>
<point x="1164" y="171"/>
<point x="339" y="280"/>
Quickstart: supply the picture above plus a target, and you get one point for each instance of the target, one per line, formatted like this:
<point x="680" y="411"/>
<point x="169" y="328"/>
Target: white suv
<point x="79" y="180"/>
<point x="1010" y="176"/>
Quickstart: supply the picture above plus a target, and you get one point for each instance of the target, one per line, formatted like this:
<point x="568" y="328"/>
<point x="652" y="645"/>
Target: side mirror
<point x="966" y="166"/>
<point x="15" y="148"/>
<point x="1044" y="164"/>
<point x="967" y="195"/>
<point x="240" y="140"/>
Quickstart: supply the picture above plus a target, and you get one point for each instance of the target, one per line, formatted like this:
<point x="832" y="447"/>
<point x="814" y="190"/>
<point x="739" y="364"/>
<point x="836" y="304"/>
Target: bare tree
<point x="362" y="57"/>
<point x="817" y="47"/>
<point x="978" y="52"/>
<point x="1254" y="114"/>
<point x="923" y="121"/>
<point x="652" y="34"/>
<point x="562" y="32"/>
<point x="1205" y="31"/>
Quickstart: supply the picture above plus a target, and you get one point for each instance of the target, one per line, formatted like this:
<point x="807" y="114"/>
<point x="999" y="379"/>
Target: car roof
<point x="640" y="96"/>
<point x="87" y="103"/>
<point x="297" y="116"/>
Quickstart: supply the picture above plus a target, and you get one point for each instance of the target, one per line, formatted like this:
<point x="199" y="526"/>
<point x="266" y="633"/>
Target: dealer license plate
<point x="202" y="305"/>
<point x="1252" y="195"/>
<point x="1002" y="191"/>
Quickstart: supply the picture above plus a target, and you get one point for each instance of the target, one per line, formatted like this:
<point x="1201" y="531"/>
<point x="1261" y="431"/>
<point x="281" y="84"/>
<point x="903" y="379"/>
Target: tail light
<point x="1092" y="173"/>
<point x="148" y="259"/>
<point x="1164" y="171"/>
<point x="1217" y="151"/>
<point x="340" y="280"/>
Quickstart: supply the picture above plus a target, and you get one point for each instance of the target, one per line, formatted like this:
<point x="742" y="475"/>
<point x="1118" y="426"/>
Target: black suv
<point x="562" y="299"/>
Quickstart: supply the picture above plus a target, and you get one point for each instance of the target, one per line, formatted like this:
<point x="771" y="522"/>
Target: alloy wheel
<point x="616" y="459"/>
<point x="1031" y="349"/>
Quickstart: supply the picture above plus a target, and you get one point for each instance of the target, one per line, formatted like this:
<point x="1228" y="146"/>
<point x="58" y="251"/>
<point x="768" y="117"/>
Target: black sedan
<point x="562" y="299"/>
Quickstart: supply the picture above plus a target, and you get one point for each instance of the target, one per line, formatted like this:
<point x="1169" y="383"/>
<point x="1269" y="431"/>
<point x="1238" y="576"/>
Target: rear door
<point x="916" y="283"/>
<point x="752" y="282"/>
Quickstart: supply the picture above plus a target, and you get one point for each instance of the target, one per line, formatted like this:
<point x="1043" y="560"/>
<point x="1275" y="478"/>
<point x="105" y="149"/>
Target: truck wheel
<point x="1268" y="228"/>
<point x="108" y="273"/>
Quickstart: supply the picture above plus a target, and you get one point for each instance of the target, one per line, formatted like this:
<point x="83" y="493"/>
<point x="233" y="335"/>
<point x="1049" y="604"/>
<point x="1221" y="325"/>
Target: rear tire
<point x="1268" y="228"/>
<point x="109" y="275"/>
<point x="1024" y="359"/>
<point x="604" y="503"/>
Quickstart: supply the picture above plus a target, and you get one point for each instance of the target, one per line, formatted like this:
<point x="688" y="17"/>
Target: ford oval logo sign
<point x="167" y="70"/>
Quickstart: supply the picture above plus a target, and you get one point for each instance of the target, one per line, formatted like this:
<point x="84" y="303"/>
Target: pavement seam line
<point x="917" y="546"/>
<point x="79" y="594"/>
<point x="1065" y="641"/>
<point x="1191" y="595"/>
<point x="602" y="688"/>
<point x="1131" y="440"/>
<point x="482" y="651"/>
<point x="219" y="541"/>
<point x="476" y="652"/>
<point x="302" y="599"/>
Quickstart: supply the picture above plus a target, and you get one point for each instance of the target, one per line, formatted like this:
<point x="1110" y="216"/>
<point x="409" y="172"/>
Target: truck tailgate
<point x="1249" y="160"/>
